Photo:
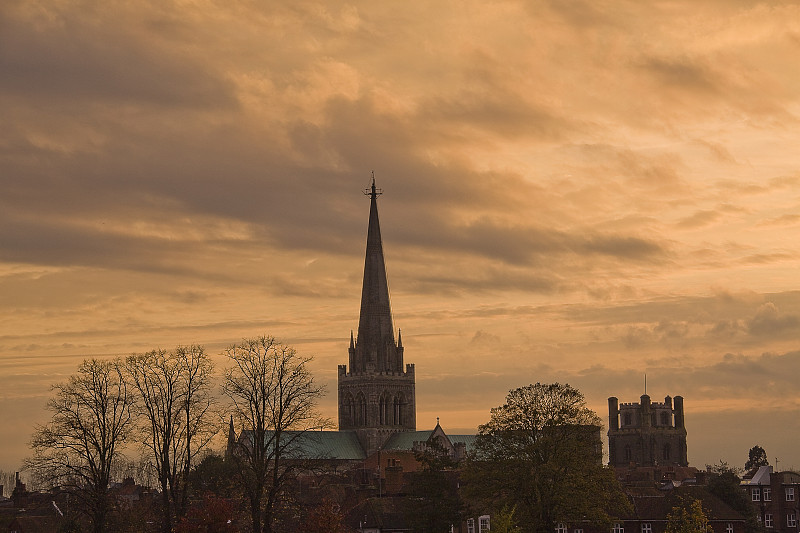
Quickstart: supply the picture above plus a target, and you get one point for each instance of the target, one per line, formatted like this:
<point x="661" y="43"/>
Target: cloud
<point x="74" y="59"/>
<point x="769" y="321"/>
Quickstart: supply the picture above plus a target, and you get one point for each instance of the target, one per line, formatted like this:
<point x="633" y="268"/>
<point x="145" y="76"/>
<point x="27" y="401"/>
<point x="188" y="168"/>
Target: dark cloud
<point x="80" y="59"/>
<point x="682" y="72"/>
<point x="769" y="321"/>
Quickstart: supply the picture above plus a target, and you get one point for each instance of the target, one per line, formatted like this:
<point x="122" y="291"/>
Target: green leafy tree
<point x="688" y="517"/>
<point x="757" y="458"/>
<point x="726" y="486"/>
<point x="504" y="522"/>
<point x="541" y="454"/>
<point x="432" y="502"/>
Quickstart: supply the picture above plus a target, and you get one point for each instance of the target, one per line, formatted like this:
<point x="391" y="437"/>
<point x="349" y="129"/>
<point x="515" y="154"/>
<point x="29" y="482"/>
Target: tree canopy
<point x="541" y="454"/>
<point x="273" y="398"/>
<point x="80" y="446"/>
<point x="756" y="458"/>
<point x="688" y="517"/>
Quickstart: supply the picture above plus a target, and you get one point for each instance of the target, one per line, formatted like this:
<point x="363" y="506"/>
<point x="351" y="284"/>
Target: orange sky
<point x="579" y="191"/>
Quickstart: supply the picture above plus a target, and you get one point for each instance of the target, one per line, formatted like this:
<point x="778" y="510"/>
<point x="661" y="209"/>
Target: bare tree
<point x="174" y="402"/>
<point x="80" y="445"/>
<point x="273" y="398"/>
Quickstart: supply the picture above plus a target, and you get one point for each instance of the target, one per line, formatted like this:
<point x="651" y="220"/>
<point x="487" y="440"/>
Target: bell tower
<point x="376" y="395"/>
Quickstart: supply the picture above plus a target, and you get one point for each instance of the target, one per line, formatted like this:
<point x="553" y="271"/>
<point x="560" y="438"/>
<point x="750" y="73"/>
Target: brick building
<point x="775" y="496"/>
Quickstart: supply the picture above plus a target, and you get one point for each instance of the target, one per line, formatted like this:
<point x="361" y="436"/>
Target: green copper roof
<point x="405" y="440"/>
<point x="341" y="445"/>
<point x="337" y="445"/>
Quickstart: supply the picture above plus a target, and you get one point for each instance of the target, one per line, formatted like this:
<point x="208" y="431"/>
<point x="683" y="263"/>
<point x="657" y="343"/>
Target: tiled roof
<point x="655" y="507"/>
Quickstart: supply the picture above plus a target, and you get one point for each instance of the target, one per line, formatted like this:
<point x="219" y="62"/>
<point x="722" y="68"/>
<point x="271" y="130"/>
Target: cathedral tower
<point x="376" y="397"/>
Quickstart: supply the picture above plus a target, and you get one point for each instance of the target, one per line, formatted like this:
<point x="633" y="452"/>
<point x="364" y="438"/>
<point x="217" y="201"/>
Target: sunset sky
<point x="574" y="191"/>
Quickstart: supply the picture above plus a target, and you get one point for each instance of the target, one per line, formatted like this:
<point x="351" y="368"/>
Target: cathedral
<point x="376" y="395"/>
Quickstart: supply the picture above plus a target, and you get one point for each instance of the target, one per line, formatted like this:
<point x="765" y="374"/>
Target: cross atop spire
<point x="372" y="192"/>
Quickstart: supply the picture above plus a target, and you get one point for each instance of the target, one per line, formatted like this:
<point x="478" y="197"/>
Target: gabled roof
<point x="404" y="441"/>
<point x="655" y="507"/>
<point x="761" y="476"/>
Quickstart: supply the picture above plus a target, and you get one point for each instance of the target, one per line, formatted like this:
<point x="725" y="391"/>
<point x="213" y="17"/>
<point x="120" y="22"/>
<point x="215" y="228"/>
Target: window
<point x="618" y="528"/>
<point x="767" y="493"/>
<point x="729" y="527"/>
<point x="483" y="523"/>
<point x="470" y="525"/>
<point x="767" y="520"/>
<point x="756" y="494"/>
<point x="791" y="520"/>
<point x="627" y="419"/>
<point x="561" y="527"/>
<point x="664" y="418"/>
<point x="789" y="494"/>
<point x="665" y="453"/>
<point x="647" y="527"/>
<point x="628" y="454"/>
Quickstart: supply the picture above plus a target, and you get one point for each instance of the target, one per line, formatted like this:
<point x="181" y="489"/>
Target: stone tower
<point x="646" y="433"/>
<point x="376" y="397"/>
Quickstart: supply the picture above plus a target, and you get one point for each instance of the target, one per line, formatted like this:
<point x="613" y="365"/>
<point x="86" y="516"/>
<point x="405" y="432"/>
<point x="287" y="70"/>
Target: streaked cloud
<point x="580" y="191"/>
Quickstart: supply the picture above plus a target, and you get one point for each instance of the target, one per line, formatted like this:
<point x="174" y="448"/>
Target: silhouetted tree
<point x="722" y="467"/>
<point x="432" y="501"/>
<point x="214" y="475"/>
<point x="173" y="402"/>
<point x="540" y="454"/>
<point x="273" y="396"/>
<point x="79" y="447"/>
<point x="756" y="458"/>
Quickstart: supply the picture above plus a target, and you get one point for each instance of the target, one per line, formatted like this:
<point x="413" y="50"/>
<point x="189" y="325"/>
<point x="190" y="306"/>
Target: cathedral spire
<point x="376" y="392"/>
<point x="375" y="330"/>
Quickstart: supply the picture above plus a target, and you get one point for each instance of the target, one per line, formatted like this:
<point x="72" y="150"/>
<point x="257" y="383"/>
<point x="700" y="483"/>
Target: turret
<point x="613" y="414"/>
<point x="645" y="403"/>
<point x="678" y="410"/>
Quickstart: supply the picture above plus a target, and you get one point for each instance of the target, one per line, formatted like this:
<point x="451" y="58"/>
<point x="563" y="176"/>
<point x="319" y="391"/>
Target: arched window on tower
<point x="664" y="418"/>
<point x="628" y="454"/>
<point x="361" y="410"/>
<point x="666" y="452"/>
<point x="626" y="419"/>
<point x="349" y="409"/>
<point x="399" y="402"/>
<point x="384" y="409"/>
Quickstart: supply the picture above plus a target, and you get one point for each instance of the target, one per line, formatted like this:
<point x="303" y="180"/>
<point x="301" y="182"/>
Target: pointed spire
<point x="352" y="341"/>
<point x="399" y="339"/>
<point x="375" y="330"/>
